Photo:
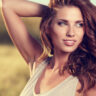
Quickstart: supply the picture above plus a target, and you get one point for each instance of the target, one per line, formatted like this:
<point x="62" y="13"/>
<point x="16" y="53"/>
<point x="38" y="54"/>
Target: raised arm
<point x="12" y="10"/>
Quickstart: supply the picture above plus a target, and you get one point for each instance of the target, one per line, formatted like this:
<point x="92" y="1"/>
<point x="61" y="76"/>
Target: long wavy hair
<point x="82" y="62"/>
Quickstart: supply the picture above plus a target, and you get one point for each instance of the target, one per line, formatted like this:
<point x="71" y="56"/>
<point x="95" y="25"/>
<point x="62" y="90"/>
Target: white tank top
<point x="65" y="88"/>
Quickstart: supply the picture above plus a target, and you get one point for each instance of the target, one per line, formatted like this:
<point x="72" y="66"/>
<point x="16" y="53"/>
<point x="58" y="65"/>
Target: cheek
<point x="55" y="36"/>
<point x="56" y="31"/>
<point x="80" y="36"/>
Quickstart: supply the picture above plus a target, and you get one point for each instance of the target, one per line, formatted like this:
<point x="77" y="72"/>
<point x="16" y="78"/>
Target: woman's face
<point x="67" y="29"/>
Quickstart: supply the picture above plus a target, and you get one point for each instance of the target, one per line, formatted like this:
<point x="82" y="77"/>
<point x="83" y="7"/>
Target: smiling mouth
<point x="69" y="42"/>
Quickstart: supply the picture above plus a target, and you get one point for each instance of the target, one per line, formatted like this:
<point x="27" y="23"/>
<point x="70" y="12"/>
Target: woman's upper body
<point x="65" y="87"/>
<point x="31" y="50"/>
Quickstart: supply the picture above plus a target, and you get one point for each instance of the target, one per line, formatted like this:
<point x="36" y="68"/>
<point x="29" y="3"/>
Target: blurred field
<point x="14" y="72"/>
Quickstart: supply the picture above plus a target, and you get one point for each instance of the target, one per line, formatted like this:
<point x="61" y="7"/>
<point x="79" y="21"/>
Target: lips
<point x="69" y="42"/>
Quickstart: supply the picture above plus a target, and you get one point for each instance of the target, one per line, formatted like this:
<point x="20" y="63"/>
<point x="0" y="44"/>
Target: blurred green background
<point x="14" y="72"/>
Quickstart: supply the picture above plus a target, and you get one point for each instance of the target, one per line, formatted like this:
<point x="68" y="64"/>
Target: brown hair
<point x="82" y="62"/>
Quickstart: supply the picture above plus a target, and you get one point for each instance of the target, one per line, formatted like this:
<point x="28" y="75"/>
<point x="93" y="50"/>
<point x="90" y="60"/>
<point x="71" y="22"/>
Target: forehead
<point x="70" y="13"/>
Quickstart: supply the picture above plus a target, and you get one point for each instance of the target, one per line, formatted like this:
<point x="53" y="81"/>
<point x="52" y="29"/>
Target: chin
<point x="69" y="50"/>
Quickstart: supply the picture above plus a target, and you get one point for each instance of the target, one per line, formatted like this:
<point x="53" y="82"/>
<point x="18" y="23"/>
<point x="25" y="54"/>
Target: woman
<point x="68" y="33"/>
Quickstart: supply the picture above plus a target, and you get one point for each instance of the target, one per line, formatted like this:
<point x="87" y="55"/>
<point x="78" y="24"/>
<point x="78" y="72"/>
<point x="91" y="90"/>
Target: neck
<point x="59" y="59"/>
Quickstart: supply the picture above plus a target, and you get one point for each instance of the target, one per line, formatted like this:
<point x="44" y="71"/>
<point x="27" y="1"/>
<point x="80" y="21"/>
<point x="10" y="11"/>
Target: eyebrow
<point x="78" y="21"/>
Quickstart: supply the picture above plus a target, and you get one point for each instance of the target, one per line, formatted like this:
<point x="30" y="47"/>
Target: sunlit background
<point x="45" y="2"/>
<point x="14" y="71"/>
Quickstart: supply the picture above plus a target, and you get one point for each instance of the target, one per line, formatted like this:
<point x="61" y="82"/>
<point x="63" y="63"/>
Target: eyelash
<point x="80" y="25"/>
<point x="64" y="23"/>
<point x="61" y="23"/>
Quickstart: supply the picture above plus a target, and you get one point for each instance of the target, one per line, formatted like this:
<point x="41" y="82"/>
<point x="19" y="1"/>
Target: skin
<point x="30" y="49"/>
<point x="66" y="32"/>
<point x="67" y="25"/>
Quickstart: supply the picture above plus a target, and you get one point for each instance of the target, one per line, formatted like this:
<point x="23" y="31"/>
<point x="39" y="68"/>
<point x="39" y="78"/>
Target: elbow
<point x="6" y="4"/>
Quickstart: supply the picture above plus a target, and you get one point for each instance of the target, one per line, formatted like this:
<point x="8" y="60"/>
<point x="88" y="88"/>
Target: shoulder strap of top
<point x="40" y="66"/>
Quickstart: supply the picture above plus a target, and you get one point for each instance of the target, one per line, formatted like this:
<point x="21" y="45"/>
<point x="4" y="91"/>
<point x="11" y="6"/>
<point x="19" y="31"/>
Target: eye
<point x="61" y="23"/>
<point x="79" y="24"/>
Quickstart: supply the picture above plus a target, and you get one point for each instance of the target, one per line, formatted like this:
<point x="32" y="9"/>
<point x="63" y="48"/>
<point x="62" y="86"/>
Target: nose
<point x="70" y="31"/>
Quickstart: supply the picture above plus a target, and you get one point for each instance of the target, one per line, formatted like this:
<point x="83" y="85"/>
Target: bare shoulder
<point x="91" y="92"/>
<point x="34" y="64"/>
